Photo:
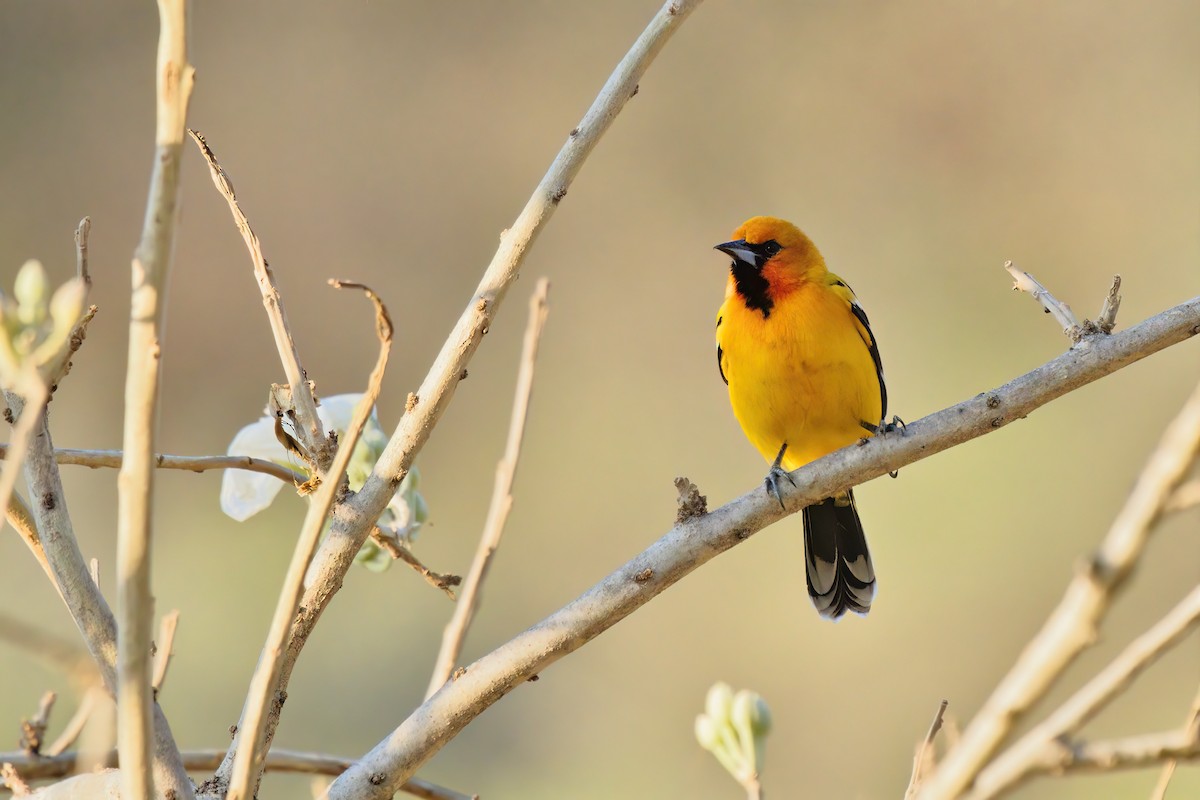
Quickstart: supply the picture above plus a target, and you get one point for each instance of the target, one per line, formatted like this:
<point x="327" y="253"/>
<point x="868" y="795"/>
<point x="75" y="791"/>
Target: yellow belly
<point x="803" y="375"/>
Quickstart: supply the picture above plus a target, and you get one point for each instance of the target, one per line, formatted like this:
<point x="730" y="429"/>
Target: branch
<point x="33" y="730"/>
<point x="1018" y="762"/>
<point x="151" y="263"/>
<point x="29" y="408"/>
<point x="923" y="760"/>
<point x="308" y="422"/>
<point x="398" y="550"/>
<point x="1135" y="752"/>
<point x="162" y="655"/>
<point x="699" y="539"/>
<point x="1071" y="627"/>
<point x="17" y="514"/>
<point x="264" y="689"/>
<point x="114" y="458"/>
<point x="502" y="498"/>
<point x="1025" y="282"/>
<point x="36" y="768"/>
<point x="353" y="523"/>
<point x="1191" y="728"/>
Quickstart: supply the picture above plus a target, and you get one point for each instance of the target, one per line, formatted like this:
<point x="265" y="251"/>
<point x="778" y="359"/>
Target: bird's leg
<point x="896" y="424"/>
<point x="775" y="474"/>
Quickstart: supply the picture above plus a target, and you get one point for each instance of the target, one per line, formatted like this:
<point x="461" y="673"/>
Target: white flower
<point x="244" y="493"/>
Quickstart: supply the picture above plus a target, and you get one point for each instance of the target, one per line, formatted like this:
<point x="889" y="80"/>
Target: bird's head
<point x="771" y="258"/>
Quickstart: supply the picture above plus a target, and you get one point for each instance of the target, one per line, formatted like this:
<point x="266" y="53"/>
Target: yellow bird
<point x="805" y="379"/>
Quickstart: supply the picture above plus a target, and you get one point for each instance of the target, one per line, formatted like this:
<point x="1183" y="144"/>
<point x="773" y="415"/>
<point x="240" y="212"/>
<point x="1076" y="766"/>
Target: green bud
<point x="719" y="703"/>
<point x="750" y="712"/>
<point x="31" y="290"/>
<point x="706" y="732"/>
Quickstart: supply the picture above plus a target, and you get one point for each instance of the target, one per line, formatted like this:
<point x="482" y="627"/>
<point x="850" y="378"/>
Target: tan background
<point x="920" y="144"/>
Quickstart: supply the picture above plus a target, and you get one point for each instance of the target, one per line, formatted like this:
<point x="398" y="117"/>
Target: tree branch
<point x="1019" y="761"/>
<point x="353" y="521"/>
<point x="114" y="458"/>
<point x="502" y="498"/>
<point x="1135" y="752"/>
<point x="265" y="698"/>
<point x="1072" y="626"/>
<point x="151" y="264"/>
<point x="308" y="422"/>
<point x="699" y="539"/>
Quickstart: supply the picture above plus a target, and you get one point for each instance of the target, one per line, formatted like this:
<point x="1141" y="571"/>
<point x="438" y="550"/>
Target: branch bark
<point x="115" y="458"/>
<point x="699" y="539"/>
<point x="352" y="521"/>
<point x="151" y="264"/>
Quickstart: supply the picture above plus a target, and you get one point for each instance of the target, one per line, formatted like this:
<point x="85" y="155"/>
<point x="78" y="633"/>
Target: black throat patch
<point x="752" y="287"/>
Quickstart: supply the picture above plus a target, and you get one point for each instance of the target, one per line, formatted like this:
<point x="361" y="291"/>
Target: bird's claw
<point x="774" y="478"/>
<point x="895" y="425"/>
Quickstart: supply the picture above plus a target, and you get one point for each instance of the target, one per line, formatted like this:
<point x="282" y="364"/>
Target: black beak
<point x="743" y="253"/>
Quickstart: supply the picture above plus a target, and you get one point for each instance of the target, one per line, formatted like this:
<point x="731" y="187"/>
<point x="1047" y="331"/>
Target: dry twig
<point x="400" y="551"/>
<point x="924" y="759"/>
<point x="76" y="723"/>
<point x="1071" y="627"/>
<point x="1018" y="762"/>
<point x="162" y="655"/>
<point x="113" y="458"/>
<point x="502" y="498"/>
<point x="264" y="692"/>
<point x="1025" y="282"/>
<point x="151" y="263"/>
<point x="1108" y="311"/>
<point x="1191" y="729"/>
<point x="33" y="730"/>
<point x="308" y="422"/>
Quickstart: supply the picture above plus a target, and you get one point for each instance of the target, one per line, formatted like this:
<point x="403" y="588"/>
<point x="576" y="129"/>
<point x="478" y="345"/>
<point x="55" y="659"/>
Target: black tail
<point x="839" y="571"/>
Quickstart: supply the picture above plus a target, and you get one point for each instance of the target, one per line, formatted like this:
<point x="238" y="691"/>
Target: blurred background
<point x="920" y="144"/>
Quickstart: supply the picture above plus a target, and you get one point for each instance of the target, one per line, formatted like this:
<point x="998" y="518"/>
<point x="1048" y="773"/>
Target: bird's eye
<point x="771" y="248"/>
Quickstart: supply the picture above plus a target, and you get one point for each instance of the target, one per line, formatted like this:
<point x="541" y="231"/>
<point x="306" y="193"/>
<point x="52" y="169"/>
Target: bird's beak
<point x="741" y="251"/>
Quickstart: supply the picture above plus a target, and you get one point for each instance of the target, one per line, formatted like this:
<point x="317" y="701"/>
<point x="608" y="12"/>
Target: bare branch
<point x="76" y="723"/>
<point x="294" y="761"/>
<point x="19" y="517"/>
<point x="12" y="779"/>
<point x="308" y="422"/>
<point x="502" y="498"/>
<point x="1112" y="303"/>
<point x="699" y="539"/>
<point x="1135" y="752"/>
<point x="81" y="251"/>
<point x="264" y="696"/>
<point x="924" y="758"/>
<point x="29" y="410"/>
<point x="1191" y="728"/>
<point x="33" y="730"/>
<point x="1184" y="497"/>
<point x="162" y="656"/>
<point x="1017" y="763"/>
<point x="400" y="551"/>
<point x="1071" y="627"/>
<point x="113" y="458"/>
<point x="151" y="264"/>
<point x="353" y="523"/>
<point x="1025" y="282"/>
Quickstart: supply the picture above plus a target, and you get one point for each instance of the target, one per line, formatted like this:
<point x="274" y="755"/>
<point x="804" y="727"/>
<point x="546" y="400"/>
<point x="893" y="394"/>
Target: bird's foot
<point x="777" y="475"/>
<point x="895" y="425"/>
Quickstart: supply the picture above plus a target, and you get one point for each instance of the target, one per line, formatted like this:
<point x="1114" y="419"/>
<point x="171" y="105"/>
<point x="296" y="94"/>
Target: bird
<point x="805" y="378"/>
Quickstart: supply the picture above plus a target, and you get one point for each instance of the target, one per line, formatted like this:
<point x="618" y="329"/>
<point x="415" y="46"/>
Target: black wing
<point x="858" y="312"/>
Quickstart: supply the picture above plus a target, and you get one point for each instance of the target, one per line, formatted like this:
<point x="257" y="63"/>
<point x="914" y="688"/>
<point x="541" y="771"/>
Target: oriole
<point x="805" y="378"/>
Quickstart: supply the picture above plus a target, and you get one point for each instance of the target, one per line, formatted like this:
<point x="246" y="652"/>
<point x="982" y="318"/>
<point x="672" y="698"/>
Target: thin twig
<point x="502" y="498"/>
<point x="81" y="251"/>
<point x="308" y="422"/>
<point x="151" y="265"/>
<point x="1134" y="752"/>
<point x="166" y="641"/>
<point x="695" y="541"/>
<point x="1112" y="303"/>
<point x="924" y="758"/>
<point x="1025" y="282"/>
<point x="76" y="723"/>
<point x="293" y="761"/>
<point x="350" y="529"/>
<point x="33" y="730"/>
<point x="1017" y="762"/>
<point x="1071" y="627"/>
<point x="1184" y="497"/>
<point x="21" y="519"/>
<point x="264" y="690"/>
<point x="29" y="409"/>
<point x="399" y="551"/>
<point x="50" y="649"/>
<point x="113" y="458"/>
<point x="1191" y="728"/>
